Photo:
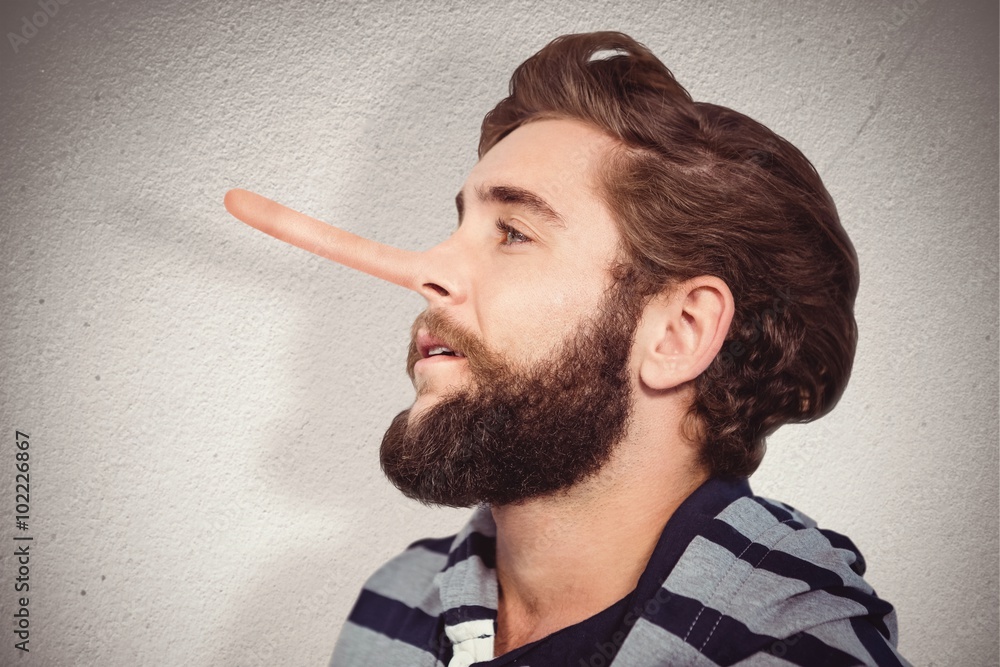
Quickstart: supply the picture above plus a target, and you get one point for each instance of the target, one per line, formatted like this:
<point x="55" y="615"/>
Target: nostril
<point x="437" y="288"/>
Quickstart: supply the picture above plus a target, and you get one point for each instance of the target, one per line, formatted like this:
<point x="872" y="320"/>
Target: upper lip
<point x="427" y="342"/>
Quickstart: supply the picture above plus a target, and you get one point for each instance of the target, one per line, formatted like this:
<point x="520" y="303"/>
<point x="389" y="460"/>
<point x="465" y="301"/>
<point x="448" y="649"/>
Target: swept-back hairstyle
<point x="699" y="189"/>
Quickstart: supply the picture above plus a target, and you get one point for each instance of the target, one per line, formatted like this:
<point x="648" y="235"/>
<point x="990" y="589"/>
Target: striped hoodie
<point x="734" y="579"/>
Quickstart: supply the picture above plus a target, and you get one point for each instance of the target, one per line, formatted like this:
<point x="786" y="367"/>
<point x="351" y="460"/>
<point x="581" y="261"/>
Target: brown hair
<point x="699" y="189"/>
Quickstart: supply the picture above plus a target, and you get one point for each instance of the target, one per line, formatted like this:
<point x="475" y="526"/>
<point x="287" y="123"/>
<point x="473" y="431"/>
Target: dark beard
<point x="517" y="434"/>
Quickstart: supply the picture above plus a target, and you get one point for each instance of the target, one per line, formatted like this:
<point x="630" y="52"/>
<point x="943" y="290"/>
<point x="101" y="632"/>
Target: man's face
<point x="533" y="390"/>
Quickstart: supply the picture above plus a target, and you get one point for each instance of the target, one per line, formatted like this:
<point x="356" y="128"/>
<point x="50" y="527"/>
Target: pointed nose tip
<point x="239" y="204"/>
<point x="231" y="200"/>
<point x="253" y="209"/>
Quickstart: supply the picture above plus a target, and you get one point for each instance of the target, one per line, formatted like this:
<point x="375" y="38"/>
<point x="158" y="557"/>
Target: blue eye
<point x="511" y="235"/>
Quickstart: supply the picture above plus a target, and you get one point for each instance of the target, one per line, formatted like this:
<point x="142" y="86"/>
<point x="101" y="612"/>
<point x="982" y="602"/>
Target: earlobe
<point x="682" y="331"/>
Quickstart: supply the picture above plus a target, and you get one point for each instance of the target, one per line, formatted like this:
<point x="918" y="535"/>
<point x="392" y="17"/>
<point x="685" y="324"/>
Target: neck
<point x="563" y="558"/>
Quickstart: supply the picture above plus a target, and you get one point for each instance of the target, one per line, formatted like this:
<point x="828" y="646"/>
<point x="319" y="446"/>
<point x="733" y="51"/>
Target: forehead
<point x="557" y="160"/>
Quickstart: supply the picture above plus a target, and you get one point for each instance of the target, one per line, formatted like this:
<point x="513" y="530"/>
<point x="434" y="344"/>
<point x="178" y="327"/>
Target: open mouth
<point x="441" y="349"/>
<point x="432" y="346"/>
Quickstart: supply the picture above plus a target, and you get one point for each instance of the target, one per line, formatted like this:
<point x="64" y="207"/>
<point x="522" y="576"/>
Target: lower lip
<point x="436" y="359"/>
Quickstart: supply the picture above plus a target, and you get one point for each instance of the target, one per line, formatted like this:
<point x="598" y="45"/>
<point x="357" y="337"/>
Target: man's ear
<point x="682" y="330"/>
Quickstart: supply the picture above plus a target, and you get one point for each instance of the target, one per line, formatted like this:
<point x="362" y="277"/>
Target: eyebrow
<point x="513" y="195"/>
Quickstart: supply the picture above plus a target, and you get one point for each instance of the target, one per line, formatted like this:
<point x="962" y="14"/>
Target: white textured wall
<point x="205" y="404"/>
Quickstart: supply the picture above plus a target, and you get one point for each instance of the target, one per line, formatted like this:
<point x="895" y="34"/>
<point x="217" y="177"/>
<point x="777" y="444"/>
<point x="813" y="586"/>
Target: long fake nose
<point x="413" y="270"/>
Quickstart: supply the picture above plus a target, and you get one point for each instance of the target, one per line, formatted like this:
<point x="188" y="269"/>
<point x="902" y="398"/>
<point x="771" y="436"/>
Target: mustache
<point x="479" y="357"/>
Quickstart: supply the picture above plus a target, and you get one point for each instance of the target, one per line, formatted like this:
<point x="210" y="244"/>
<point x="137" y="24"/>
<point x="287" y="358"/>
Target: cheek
<point x="531" y="321"/>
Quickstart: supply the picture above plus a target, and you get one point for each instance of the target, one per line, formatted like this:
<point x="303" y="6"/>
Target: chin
<point x="424" y="402"/>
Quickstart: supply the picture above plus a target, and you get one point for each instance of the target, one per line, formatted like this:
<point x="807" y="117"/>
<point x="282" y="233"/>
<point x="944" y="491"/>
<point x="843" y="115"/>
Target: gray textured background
<point x="205" y="404"/>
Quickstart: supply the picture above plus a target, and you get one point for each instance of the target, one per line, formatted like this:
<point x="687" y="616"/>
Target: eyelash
<point x="508" y="231"/>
